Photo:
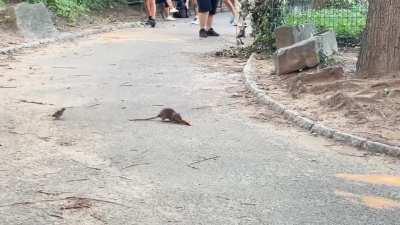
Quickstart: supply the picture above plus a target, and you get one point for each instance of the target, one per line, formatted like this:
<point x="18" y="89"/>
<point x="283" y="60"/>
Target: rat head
<point x="62" y="109"/>
<point x="178" y="119"/>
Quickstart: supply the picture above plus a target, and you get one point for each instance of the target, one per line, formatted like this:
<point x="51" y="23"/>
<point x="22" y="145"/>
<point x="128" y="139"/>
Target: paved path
<point x="95" y="167"/>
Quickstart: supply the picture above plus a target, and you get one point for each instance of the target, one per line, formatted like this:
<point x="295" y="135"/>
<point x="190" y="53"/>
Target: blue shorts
<point x="209" y="6"/>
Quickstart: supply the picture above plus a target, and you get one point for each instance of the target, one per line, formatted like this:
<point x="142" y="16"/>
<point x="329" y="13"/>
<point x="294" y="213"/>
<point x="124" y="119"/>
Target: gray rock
<point x="304" y="54"/>
<point x="32" y="21"/>
<point x="289" y="35"/>
<point x="323" y="131"/>
<point x="327" y="43"/>
<point x="381" y="148"/>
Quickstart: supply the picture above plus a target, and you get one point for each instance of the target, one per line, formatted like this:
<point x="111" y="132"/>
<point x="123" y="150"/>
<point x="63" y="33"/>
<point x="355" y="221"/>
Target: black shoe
<point x="211" y="32"/>
<point x="203" y="33"/>
<point x="151" y="22"/>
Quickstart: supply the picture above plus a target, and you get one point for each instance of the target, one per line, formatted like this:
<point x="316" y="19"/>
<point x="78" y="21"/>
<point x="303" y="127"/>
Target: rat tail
<point x="151" y="118"/>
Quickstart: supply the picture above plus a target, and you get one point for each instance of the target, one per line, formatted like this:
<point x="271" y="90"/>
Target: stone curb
<point x="69" y="37"/>
<point x="249" y="74"/>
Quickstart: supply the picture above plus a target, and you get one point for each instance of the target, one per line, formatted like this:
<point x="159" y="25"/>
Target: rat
<point x="57" y="115"/>
<point x="167" y="114"/>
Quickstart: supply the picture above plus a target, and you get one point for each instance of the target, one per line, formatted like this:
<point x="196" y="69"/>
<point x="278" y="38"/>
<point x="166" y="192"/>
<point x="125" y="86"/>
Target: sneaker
<point x="170" y="18"/>
<point x="203" y="33"/>
<point x="195" y="21"/>
<point x="152" y="23"/>
<point x="211" y="32"/>
<point x="173" y="10"/>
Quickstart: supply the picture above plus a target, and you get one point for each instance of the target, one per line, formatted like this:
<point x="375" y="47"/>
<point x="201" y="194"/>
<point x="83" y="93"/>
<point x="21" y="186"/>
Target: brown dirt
<point x="364" y="107"/>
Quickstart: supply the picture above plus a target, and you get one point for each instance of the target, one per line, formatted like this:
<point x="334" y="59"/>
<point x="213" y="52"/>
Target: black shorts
<point x="209" y="6"/>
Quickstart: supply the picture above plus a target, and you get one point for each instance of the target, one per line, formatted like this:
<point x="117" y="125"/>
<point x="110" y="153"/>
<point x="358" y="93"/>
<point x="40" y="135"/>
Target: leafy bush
<point x="266" y="16"/>
<point x="347" y="23"/>
<point x="72" y="9"/>
<point x="2" y="3"/>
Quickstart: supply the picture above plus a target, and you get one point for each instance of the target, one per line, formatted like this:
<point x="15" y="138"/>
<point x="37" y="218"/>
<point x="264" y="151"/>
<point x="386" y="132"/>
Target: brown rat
<point x="167" y="114"/>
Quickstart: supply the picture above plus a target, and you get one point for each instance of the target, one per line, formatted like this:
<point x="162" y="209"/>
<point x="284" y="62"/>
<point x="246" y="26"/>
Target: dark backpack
<point x="182" y="10"/>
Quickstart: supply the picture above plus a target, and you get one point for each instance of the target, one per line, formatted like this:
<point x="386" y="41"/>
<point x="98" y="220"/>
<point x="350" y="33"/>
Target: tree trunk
<point x="380" y="47"/>
<point x="319" y="4"/>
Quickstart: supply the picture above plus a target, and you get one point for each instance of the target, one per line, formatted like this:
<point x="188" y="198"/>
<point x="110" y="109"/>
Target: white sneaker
<point x="173" y="10"/>
<point x="170" y="18"/>
<point x="195" y="21"/>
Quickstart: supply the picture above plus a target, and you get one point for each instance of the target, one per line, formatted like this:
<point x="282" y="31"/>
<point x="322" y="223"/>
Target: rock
<point x="32" y="21"/>
<point x="327" y="43"/>
<point x="305" y="54"/>
<point x="301" y="55"/>
<point x="289" y="35"/>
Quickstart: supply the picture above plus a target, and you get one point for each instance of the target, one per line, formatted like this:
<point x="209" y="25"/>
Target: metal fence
<point x="346" y="17"/>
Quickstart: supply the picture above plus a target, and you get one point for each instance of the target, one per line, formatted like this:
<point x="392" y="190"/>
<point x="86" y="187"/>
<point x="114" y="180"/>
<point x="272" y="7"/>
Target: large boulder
<point x="32" y="21"/>
<point x="305" y="54"/>
<point x="289" y="35"/>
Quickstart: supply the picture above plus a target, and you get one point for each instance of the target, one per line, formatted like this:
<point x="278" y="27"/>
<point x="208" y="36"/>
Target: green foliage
<point x="72" y="9"/>
<point x="347" y="23"/>
<point x="266" y="16"/>
<point x="2" y="3"/>
<point x="342" y="4"/>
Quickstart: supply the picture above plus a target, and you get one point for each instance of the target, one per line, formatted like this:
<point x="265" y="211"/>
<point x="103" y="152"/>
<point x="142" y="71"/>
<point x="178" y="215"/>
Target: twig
<point x="135" y="164"/>
<point x="8" y="87"/>
<point x="125" y="178"/>
<point x="83" y="179"/>
<point x="200" y="161"/>
<point x="126" y="84"/>
<point x="157" y="105"/>
<point x="49" y="193"/>
<point x="204" y="107"/>
<point x="360" y="156"/>
<point x="63" y="199"/>
<point x="34" y="102"/>
<point x="64" y="67"/>
<point x="80" y="75"/>
<point x="94" y="105"/>
<point x="245" y="203"/>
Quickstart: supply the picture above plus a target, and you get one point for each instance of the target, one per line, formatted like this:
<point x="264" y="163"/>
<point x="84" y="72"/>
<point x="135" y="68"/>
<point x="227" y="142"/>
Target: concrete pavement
<point x="96" y="167"/>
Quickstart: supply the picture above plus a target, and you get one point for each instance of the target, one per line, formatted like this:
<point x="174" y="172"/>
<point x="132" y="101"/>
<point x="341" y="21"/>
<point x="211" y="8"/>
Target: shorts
<point x="209" y="6"/>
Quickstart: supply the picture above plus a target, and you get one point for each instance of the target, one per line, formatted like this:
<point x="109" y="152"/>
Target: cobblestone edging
<point x="70" y="37"/>
<point x="249" y="73"/>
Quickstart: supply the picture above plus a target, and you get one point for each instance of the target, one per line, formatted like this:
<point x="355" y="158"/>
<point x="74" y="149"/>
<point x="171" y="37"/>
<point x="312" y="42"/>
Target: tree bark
<point x="380" y="46"/>
<point x="319" y="4"/>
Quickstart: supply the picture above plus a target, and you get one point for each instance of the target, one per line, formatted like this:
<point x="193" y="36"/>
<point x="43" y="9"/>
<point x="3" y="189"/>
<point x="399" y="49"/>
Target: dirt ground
<point x="337" y="98"/>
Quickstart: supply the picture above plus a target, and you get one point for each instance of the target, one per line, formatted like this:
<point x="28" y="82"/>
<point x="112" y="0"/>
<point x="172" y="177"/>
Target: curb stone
<point x="69" y="37"/>
<point x="249" y="74"/>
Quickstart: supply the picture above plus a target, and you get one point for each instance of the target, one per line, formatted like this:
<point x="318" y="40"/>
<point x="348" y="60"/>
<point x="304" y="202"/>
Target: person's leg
<point x="196" y="13"/>
<point x="210" y="19"/>
<point x="168" y="10"/>
<point x="205" y="7"/>
<point x="151" y="12"/>
<point x="171" y="6"/>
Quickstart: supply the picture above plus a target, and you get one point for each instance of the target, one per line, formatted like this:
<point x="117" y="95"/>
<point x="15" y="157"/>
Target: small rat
<point x="167" y="114"/>
<point x="57" y="115"/>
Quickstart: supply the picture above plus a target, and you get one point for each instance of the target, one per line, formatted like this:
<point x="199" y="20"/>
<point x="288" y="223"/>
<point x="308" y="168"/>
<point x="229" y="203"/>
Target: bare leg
<point x="230" y="6"/>
<point x="171" y="6"/>
<point x="210" y="21"/>
<point x="151" y="8"/>
<point x="203" y="19"/>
